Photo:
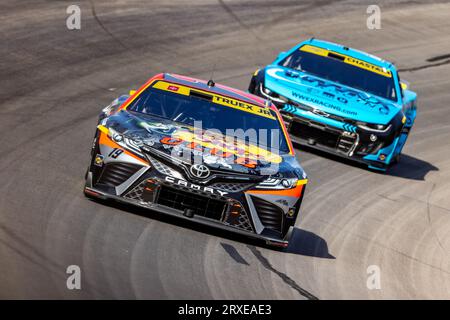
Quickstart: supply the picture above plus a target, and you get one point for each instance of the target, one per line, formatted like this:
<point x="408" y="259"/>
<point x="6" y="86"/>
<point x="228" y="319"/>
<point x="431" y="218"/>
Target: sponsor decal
<point x="343" y="95"/>
<point x="291" y="212"/>
<point x="245" y="154"/>
<point x="265" y="112"/>
<point x="348" y="59"/>
<point x="193" y="186"/>
<point x="322" y="103"/>
<point x="218" y="99"/>
<point x="346" y="93"/>
<point x="171" y="141"/>
<point x="282" y="202"/>
<point x="98" y="161"/>
<point x="115" y="153"/>
<point x="210" y="159"/>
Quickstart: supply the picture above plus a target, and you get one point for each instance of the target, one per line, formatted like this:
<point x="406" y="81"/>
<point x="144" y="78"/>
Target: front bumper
<point x="175" y="197"/>
<point x="336" y="135"/>
<point x="272" y="239"/>
<point x="348" y="142"/>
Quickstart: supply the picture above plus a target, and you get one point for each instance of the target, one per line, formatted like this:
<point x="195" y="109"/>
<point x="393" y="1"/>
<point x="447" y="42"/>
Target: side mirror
<point x="132" y="92"/>
<point x="404" y="85"/>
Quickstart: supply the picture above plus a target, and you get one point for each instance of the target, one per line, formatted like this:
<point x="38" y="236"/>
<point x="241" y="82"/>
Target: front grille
<point x="370" y="148"/>
<point x="161" y="167"/>
<point x="137" y="193"/>
<point x="346" y="142"/>
<point x="181" y="200"/>
<point x="315" y="134"/>
<point x="270" y="215"/>
<point x="242" y="222"/>
<point x="116" y="173"/>
<point x="231" y="187"/>
<point x="178" y="199"/>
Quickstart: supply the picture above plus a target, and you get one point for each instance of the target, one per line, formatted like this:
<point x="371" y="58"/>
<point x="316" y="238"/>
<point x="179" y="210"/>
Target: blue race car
<point x="340" y="100"/>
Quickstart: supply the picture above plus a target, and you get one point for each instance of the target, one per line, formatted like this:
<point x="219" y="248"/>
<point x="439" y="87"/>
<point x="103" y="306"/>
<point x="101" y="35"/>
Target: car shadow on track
<point x="411" y="168"/>
<point x="302" y="242"/>
<point x="309" y="244"/>
<point x="408" y="167"/>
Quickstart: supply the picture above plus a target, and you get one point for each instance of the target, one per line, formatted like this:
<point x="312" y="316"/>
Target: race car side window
<point x="293" y="61"/>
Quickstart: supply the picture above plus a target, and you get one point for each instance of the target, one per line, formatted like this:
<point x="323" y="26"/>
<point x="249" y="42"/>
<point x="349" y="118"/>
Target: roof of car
<point x="350" y="52"/>
<point x="217" y="89"/>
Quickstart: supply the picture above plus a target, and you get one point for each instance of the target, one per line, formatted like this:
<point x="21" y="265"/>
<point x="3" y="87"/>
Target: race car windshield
<point x="264" y="132"/>
<point x="338" y="71"/>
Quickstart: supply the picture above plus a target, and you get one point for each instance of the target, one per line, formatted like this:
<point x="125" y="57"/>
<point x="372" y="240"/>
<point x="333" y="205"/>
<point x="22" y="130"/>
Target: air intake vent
<point x="231" y="187"/>
<point x="346" y="142"/>
<point x="116" y="173"/>
<point x="270" y="215"/>
<point x="312" y="133"/>
<point x="181" y="200"/>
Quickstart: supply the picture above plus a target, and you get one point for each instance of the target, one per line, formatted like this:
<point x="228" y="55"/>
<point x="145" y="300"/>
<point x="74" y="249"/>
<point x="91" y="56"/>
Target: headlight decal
<point x="374" y="127"/>
<point x="106" y="139"/>
<point x="295" y="192"/>
<point x="267" y="94"/>
<point x="281" y="183"/>
<point x="278" y="183"/>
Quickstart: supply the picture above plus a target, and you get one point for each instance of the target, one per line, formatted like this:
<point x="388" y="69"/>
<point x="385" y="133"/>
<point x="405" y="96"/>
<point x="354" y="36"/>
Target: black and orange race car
<point x="199" y="151"/>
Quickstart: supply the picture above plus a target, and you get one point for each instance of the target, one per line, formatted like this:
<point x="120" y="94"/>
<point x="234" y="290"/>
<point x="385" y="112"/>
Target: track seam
<point x="238" y="20"/>
<point x="286" y="279"/>
<point x="100" y="23"/>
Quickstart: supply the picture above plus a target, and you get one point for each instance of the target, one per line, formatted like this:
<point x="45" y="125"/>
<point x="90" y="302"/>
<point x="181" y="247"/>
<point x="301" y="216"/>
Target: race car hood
<point x="328" y="96"/>
<point x="173" y="140"/>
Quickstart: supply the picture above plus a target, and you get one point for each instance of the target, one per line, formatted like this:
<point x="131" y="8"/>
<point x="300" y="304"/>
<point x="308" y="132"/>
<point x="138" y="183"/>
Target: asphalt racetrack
<point x="54" y="82"/>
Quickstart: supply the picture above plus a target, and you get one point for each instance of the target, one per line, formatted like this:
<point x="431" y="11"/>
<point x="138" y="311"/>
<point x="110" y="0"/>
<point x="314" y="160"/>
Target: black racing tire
<point x="396" y="159"/>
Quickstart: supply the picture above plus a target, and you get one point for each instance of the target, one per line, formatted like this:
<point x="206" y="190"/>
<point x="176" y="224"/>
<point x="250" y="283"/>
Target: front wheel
<point x="396" y="159"/>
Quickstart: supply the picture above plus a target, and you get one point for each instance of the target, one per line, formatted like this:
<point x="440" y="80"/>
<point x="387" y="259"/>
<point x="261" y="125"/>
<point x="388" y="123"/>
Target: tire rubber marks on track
<point x="430" y="223"/>
<point x="440" y="57"/>
<point x="438" y="62"/>
<point x="238" y="20"/>
<point x="234" y="253"/>
<point x="286" y="279"/>
<point x="94" y="14"/>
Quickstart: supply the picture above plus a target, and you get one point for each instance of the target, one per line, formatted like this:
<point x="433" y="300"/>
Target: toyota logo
<point x="200" y="171"/>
